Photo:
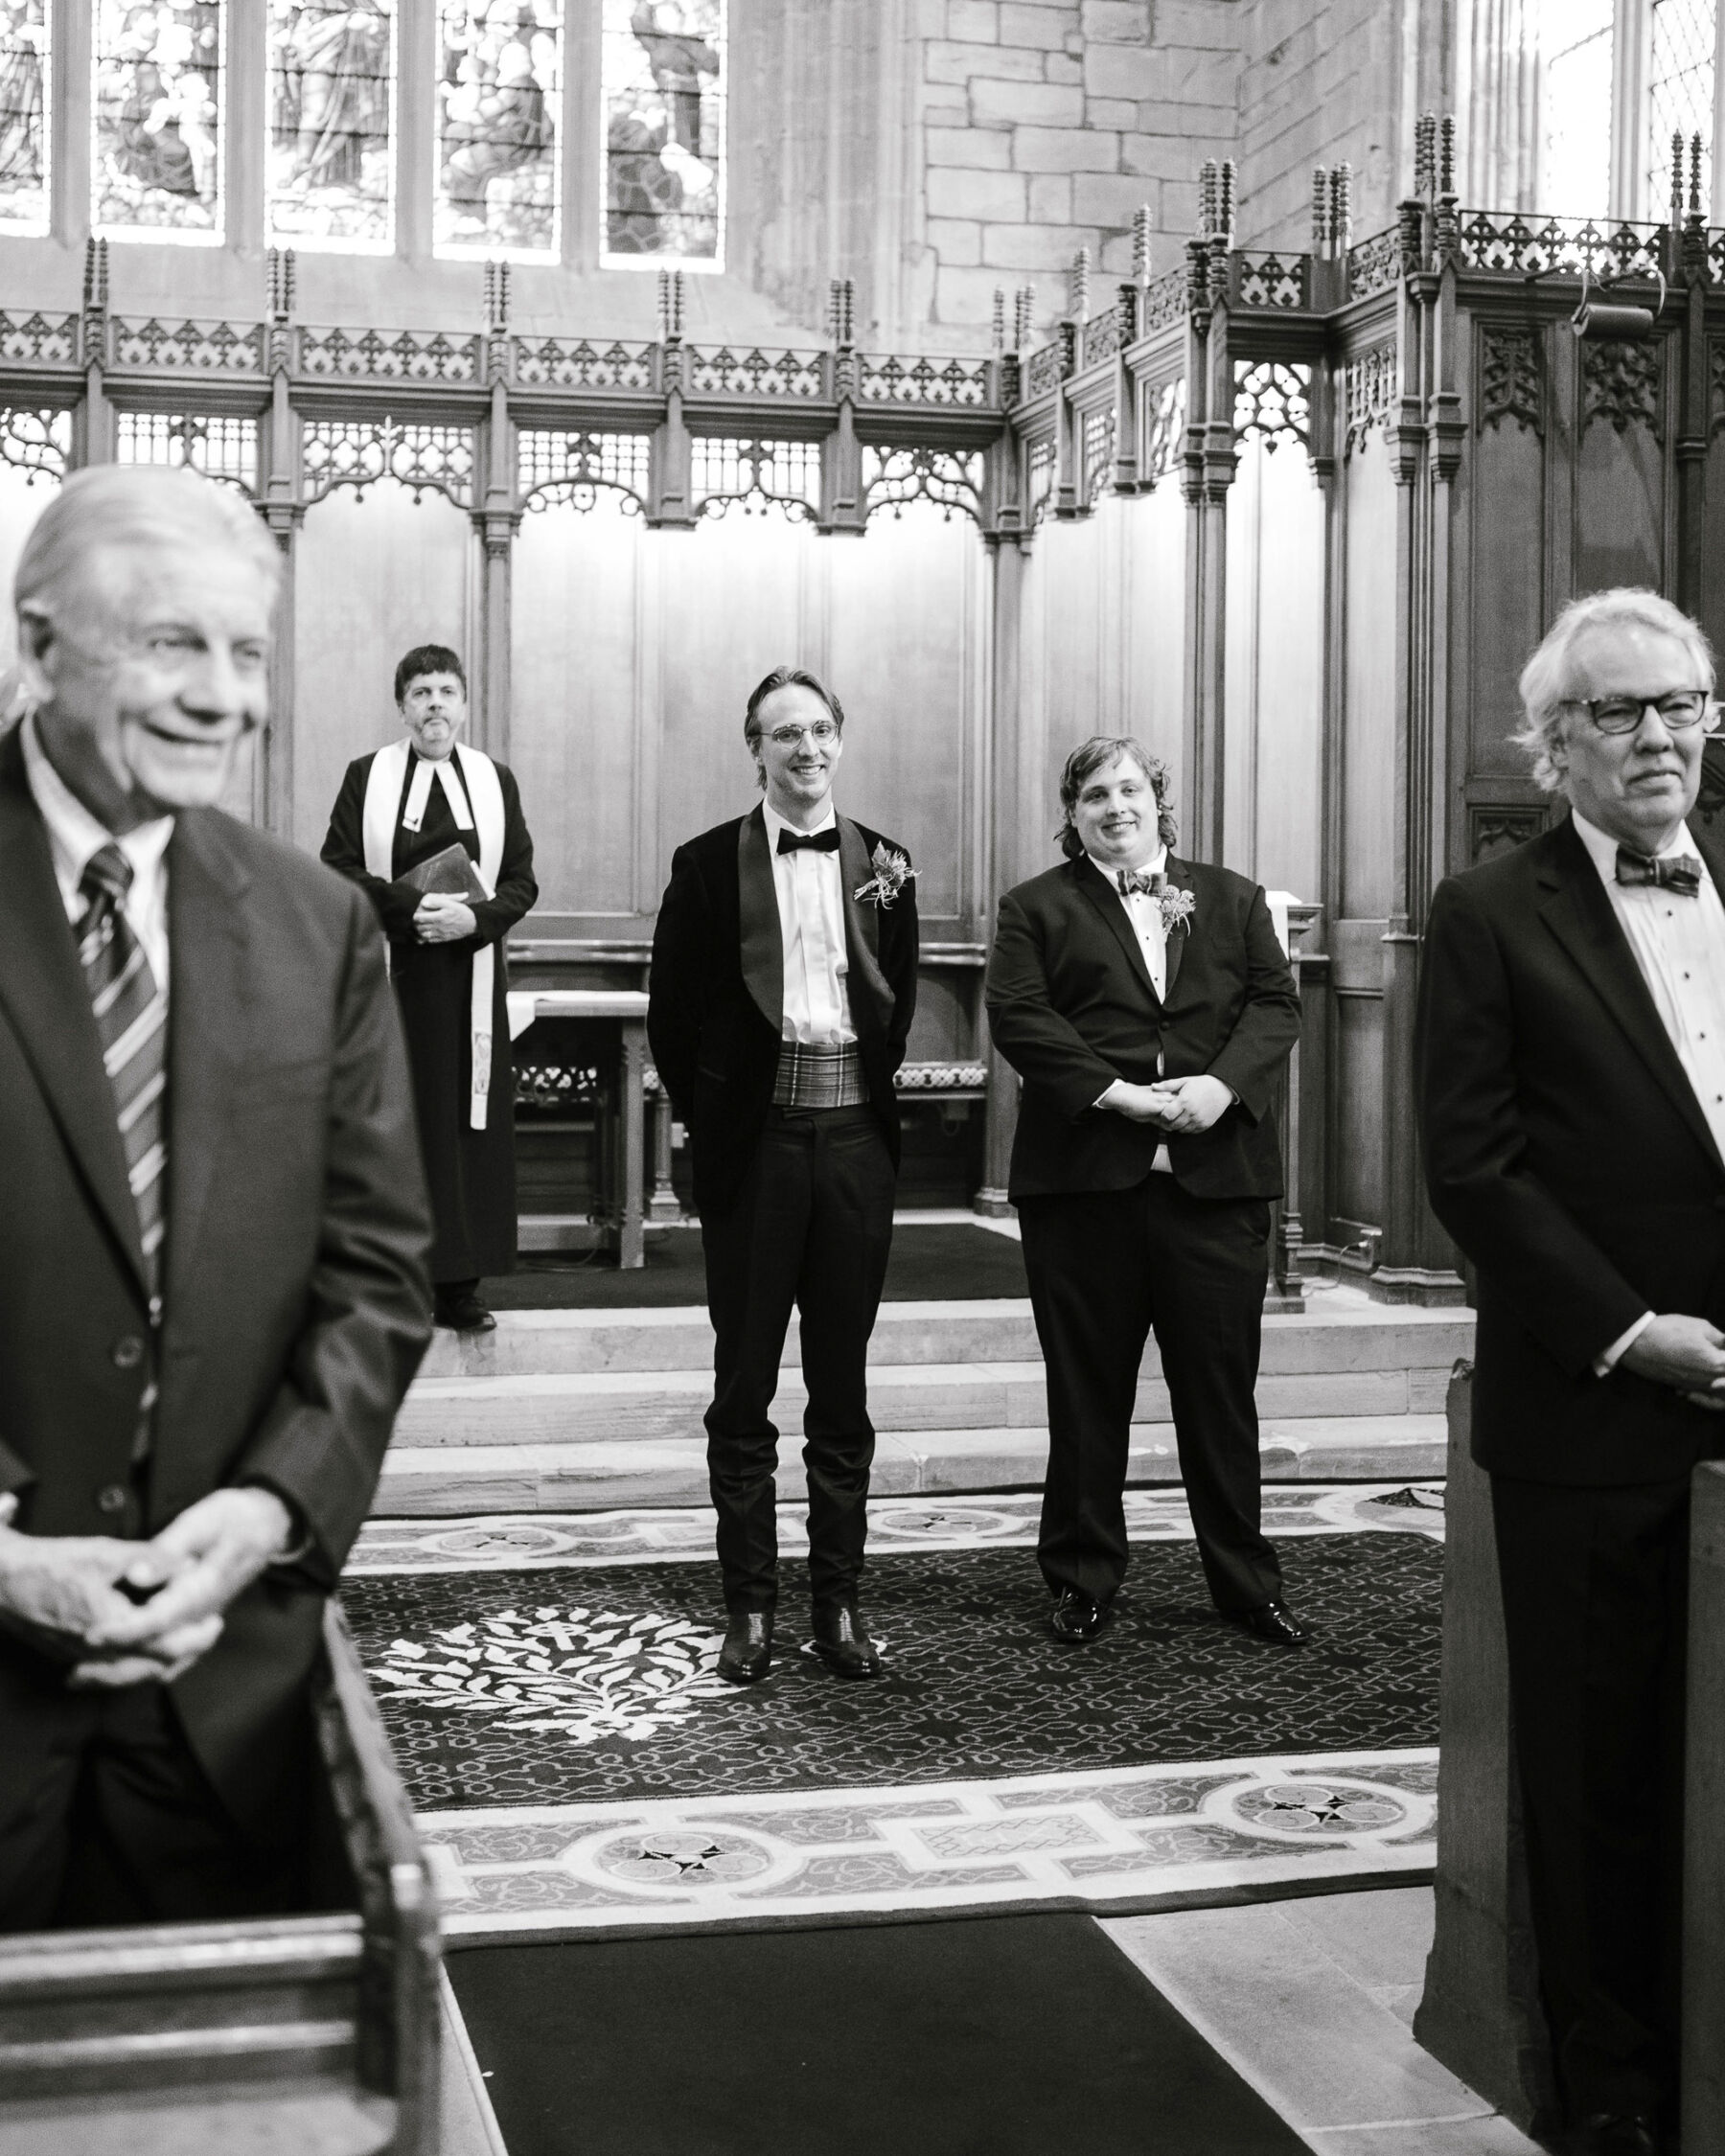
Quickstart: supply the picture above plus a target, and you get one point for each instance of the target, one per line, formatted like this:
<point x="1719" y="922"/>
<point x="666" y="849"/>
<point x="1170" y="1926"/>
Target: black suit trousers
<point x="812" y="1228"/>
<point x="1595" y="1616"/>
<point x="107" y="1818"/>
<point x="1105" y="1265"/>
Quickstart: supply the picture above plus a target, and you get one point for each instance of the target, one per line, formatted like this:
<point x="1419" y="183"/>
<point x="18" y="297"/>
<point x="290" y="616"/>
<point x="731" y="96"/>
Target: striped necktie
<point x="131" y="1014"/>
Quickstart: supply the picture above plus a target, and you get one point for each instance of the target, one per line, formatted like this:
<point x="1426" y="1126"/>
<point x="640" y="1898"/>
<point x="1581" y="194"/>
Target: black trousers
<point x="107" y="1818"/>
<point x="811" y="1227"/>
<point x="1595" y="1614"/>
<point x="1105" y="1265"/>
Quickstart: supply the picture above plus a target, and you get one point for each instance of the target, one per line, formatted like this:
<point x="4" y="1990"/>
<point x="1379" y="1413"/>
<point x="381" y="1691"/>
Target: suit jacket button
<point x="112" y="1499"/>
<point x="128" y="1352"/>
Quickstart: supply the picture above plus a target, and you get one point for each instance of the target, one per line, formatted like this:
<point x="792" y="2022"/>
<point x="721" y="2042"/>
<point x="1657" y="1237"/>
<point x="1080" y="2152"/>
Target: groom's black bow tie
<point x="821" y="841"/>
<point x="1132" y="880"/>
<point x="1677" y="872"/>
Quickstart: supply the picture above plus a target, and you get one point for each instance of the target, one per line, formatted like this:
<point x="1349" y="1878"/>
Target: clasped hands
<point x="1686" y="1353"/>
<point x="440" y="918"/>
<point x="65" y="1594"/>
<point x="1176" y="1107"/>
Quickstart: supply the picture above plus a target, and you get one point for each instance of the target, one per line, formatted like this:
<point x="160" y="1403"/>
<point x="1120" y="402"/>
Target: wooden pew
<point x="317" y="2035"/>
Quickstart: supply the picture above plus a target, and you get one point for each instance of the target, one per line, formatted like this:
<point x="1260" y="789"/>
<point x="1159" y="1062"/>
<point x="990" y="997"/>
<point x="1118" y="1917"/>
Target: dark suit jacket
<point x="717" y="990"/>
<point x="295" y="1308"/>
<point x="1566" y="1153"/>
<point x="1071" y="1008"/>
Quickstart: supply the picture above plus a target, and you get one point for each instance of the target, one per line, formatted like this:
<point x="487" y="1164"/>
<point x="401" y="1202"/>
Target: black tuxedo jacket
<point x="718" y="989"/>
<point x="295" y="1305"/>
<point x="1568" y="1156"/>
<point x="1071" y="1008"/>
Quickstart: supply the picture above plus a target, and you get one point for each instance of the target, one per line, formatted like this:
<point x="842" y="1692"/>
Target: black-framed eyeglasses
<point x="1680" y="710"/>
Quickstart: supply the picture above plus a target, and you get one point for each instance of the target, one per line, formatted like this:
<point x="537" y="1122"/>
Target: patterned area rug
<point x="496" y="1690"/>
<point x="549" y="1693"/>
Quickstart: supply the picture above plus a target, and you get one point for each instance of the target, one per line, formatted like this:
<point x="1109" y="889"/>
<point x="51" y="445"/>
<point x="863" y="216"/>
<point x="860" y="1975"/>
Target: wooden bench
<point x="317" y="2035"/>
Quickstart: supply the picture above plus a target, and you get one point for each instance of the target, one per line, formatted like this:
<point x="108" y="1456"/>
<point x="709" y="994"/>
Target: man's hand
<point x="440" y="918"/>
<point x="1138" y="1104"/>
<point x="199" y="1563"/>
<point x="1686" y="1353"/>
<point x="1191" y="1105"/>
<point x="57" y="1590"/>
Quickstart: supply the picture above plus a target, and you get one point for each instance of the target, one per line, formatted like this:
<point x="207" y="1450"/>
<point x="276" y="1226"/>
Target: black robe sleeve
<point x="344" y="851"/>
<point x="517" y="888"/>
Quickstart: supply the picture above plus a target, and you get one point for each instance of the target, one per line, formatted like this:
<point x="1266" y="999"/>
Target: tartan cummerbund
<point x="812" y="1076"/>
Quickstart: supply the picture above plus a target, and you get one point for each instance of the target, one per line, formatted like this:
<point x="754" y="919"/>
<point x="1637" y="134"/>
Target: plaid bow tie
<point x="817" y="842"/>
<point x="1678" y="872"/>
<point x="1131" y="880"/>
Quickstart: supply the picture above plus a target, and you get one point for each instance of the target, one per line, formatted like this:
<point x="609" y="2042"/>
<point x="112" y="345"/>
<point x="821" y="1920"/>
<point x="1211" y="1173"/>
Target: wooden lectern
<point x="1480" y="2013"/>
<point x="318" y="2034"/>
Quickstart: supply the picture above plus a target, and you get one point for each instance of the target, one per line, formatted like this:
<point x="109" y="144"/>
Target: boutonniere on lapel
<point x="1177" y="905"/>
<point x="892" y="871"/>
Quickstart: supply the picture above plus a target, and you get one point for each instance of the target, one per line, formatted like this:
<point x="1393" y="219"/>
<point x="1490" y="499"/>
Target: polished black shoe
<point x="1612" y="2133"/>
<point x="466" y="1315"/>
<point x="746" y="1654"/>
<point x="1276" y="1622"/>
<point x="1076" y="1619"/>
<point x="842" y="1641"/>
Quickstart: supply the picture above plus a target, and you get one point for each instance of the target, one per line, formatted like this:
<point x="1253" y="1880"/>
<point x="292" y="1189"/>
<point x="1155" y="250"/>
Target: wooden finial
<point x="1321" y="230"/>
<point x="1078" y="286"/>
<point x="1206" y="198"/>
<point x="1140" y="244"/>
<point x="1446" y="154"/>
<point x="1342" y="206"/>
<point x="1225" y="200"/>
<point x="997" y="321"/>
<point x="1676" y="178"/>
<point x="1694" y="187"/>
<point x="1023" y="307"/>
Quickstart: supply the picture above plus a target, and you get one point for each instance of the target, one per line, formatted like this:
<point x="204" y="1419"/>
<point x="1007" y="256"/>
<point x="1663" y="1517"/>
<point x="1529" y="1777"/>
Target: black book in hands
<point x="450" y="873"/>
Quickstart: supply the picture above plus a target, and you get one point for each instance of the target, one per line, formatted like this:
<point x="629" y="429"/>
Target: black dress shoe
<point x="1276" y="1622"/>
<point x="1076" y="1619"/>
<point x="1613" y="2133"/>
<point x="746" y="1654"/>
<point x="466" y="1315"/>
<point x="842" y="1641"/>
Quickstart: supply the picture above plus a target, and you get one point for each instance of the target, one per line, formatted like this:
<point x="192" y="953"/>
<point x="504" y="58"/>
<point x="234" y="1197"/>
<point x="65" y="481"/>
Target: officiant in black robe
<point x="397" y="809"/>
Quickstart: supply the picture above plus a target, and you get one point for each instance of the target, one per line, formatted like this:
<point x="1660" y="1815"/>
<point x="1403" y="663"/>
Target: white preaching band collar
<point x="476" y="772"/>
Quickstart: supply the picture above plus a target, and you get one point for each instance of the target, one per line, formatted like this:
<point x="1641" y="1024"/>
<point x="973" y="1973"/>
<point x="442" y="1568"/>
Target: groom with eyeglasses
<point x="1570" y="1069"/>
<point x="784" y="978"/>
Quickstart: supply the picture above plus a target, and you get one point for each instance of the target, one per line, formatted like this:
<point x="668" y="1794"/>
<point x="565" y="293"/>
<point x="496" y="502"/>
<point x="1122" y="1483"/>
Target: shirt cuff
<point x="1605" y="1363"/>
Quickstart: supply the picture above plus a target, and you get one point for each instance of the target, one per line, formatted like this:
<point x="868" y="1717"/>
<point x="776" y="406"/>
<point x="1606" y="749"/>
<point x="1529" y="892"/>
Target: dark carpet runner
<point x="1004" y="2037"/>
<point x="945" y="1264"/>
<point x="596" y="1684"/>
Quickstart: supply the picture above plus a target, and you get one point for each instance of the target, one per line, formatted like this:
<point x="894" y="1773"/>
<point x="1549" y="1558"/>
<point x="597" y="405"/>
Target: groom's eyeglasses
<point x="823" y="732"/>
<point x="1623" y="715"/>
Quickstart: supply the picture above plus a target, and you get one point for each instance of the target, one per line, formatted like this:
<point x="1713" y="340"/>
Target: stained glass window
<point x="500" y="88"/>
<point x="1680" y="95"/>
<point x="24" y="115"/>
<point x="158" y="118"/>
<point x="331" y="71"/>
<point x="664" y="133"/>
<point x="1574" y="161"/>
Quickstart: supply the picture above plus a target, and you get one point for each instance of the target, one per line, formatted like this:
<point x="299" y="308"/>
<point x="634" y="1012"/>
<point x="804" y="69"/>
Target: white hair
<point x="1548" y="683"/>
<point x="107" y="507"/>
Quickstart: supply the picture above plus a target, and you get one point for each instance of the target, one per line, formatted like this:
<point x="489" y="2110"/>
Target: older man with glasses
<point x="784" y="977"/>
<point x="1572" y="1082"/>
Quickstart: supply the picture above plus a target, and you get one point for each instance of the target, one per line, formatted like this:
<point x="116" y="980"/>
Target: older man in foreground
<point x="212" y="1280"/>
<point x="1572" y="1082"/>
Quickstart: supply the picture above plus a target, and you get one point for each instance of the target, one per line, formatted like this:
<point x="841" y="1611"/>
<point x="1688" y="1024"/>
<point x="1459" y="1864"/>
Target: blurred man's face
<point x="152" y="670"/>
<point x="796" y="751"/>
<point x="434" y="711"/>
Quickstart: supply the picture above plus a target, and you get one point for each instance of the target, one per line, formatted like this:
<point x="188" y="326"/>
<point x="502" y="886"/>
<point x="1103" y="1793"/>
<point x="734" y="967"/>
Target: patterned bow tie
<point x="1677" y="872"/>
<point x="1132" y="880"/>
<point x="817" y="842"/>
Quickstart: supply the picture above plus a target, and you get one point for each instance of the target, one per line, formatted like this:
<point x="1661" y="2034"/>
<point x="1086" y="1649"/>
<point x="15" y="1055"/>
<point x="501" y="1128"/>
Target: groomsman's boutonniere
<point x="1177" y="905"/>
<point x="892" y="871"/>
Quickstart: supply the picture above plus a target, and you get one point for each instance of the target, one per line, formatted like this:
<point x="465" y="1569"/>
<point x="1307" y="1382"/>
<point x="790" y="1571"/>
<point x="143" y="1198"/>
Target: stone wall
<point x="1046" y="123"/>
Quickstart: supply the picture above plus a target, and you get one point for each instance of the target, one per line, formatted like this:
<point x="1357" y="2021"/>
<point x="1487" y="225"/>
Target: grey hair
<point x="1547" y="682"/>
<point x="113" y="506"/>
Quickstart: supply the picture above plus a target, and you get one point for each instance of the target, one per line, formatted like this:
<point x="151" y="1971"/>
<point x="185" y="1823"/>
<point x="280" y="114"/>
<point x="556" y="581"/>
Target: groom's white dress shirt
<point x="810" y="888"/>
